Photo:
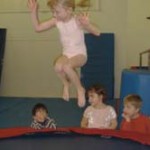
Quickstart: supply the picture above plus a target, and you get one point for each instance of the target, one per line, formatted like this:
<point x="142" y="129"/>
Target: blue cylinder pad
<point x="136" y="82"/>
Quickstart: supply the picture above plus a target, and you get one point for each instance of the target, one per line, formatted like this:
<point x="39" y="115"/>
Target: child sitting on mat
<point x="98" y="114"/>
<point x="133" y="119"/>
<point x="40" y="118"/>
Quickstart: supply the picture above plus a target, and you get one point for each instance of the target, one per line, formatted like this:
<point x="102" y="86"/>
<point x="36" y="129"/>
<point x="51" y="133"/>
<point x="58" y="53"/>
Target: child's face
<point x="40" y="115"/>
<point x="130" y="110"/>
<point x="61" y="13"/>
<point x="94" y="98"/>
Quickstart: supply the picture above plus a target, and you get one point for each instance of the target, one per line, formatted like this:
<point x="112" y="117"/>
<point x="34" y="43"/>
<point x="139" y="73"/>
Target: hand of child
<point x="126" y="117"/>
<point x="32" y="5"/>
<point x="83" y="19"/>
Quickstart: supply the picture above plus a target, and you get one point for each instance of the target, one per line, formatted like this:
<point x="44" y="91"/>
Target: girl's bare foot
<point x="81" y="97"/>
<point x="66" y="93"/>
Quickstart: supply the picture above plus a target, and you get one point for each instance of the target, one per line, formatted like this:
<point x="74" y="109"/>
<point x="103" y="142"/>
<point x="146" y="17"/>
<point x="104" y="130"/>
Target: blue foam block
<point x="136" y="82"/>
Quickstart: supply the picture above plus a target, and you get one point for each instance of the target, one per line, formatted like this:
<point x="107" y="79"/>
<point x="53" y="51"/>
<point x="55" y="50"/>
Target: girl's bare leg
<point x="69" y="69"/>
<point x="66" y="85"/>
<point x="60" y="62"/>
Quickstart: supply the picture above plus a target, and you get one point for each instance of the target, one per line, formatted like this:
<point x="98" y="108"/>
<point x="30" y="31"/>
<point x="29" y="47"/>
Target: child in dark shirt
<point x="40" y="118"/>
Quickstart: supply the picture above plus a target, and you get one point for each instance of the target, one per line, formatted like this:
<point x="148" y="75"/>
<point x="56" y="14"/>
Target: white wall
<point x="138" y="34"/>
<point x="114" y="19"/>
<point x="28" y="62"/>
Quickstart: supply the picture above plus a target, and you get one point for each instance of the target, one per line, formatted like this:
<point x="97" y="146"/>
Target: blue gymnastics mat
<point x="100" y="65"/>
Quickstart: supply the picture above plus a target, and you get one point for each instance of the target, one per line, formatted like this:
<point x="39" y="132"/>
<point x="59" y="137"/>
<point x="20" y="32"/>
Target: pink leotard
<point x="72" y="38"/>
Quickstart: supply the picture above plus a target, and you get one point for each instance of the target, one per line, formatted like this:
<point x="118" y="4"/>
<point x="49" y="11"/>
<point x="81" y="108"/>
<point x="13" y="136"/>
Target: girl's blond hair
<point x="134" y="100"/>
<point x="69" y="3"/>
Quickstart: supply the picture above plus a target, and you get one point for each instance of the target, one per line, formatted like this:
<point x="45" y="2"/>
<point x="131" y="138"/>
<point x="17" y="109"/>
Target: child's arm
<point x="51" y="123"/>
<point x="113" y="124"/>
<point x="126" y="126"/>
<point x="33" y="7"/>
<point x="84" y="122"/>
<point x="87" y="25"/>
<point x="126" y="117"/>
<point x="126" y="123"/>
<point x="35" y="125"/>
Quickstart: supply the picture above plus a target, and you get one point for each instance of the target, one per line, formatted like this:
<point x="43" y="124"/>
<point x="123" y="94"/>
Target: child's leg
<point x="69" y="69"/>
<point x="59" y="63"/>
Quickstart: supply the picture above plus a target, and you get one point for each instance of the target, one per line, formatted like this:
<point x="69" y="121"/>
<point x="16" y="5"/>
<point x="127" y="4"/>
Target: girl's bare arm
<point x="113" y="124"/>
<point x="84" y="21"/>
<point x="39" y="26"/>
<point x="84" y="122"/>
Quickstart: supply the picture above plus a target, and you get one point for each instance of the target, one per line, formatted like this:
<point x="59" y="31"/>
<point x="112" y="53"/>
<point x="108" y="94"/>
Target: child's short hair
<point x="98" y="89"/>
<point x="134" y="100"/>
<point x="38" y="107"/>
